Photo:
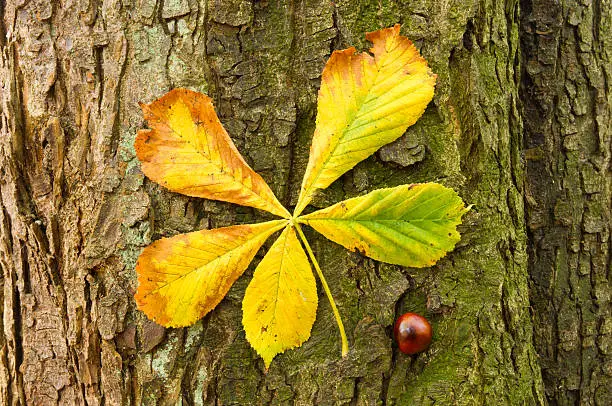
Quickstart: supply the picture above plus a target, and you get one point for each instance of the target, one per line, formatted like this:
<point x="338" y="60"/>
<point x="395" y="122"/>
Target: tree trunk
<point x="520" y="125"/>
<point x="567" y="100"/>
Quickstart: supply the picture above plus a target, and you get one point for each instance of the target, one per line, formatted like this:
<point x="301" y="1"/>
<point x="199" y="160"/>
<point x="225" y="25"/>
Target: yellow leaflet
<point x="410" y="225"/>
<point x="188" y="151"/>
<point x="364" y="103"/>
<point x="280" y="304"/>
<point x="182" y="278"/>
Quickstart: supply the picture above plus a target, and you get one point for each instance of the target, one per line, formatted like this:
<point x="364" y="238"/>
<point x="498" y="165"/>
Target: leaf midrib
<point x="306" y="221"/>
<point x="280" y="271"/>
<point x="229" y="174"/>
<point x="351" y="121"/>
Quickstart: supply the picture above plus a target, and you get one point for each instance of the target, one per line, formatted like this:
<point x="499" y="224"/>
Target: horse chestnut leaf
<point x="412" y="333"/>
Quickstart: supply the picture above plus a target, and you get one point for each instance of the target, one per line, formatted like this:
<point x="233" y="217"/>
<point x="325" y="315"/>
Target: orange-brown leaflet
<point x="187" y="150"/>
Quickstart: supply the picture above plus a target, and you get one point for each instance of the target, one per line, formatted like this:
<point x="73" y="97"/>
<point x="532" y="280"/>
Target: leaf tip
<point x="380" y="36"/>
<point x="267" y="363"/>
<point x="347" y="51"/>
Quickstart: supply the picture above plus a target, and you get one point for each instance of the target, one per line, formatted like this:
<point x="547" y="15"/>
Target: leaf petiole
<point x="326" y="289"/>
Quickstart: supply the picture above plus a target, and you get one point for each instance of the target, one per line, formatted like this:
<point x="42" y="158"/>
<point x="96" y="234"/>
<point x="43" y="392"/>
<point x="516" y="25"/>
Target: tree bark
<point x="567" y="103"/>
<point x="520" y="126"/>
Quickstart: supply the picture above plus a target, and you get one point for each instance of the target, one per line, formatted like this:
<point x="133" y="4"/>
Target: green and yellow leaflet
<point x="365" y="101"/>
<point x="410" y="225"/>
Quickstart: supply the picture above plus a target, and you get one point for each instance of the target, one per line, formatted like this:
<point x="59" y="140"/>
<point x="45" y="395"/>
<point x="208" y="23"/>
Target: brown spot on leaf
<point x="361" y="248"/>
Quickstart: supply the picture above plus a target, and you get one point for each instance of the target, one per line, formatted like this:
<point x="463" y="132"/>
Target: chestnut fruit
<point x="412" y="333"/>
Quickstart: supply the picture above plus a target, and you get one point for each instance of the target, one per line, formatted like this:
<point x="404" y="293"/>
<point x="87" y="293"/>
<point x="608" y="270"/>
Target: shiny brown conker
<point x="412" y="333"/>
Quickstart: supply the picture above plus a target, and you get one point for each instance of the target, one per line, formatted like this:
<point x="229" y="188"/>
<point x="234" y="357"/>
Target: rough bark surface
<point x="567" y="97"/>
<point x="75" y="209"/>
